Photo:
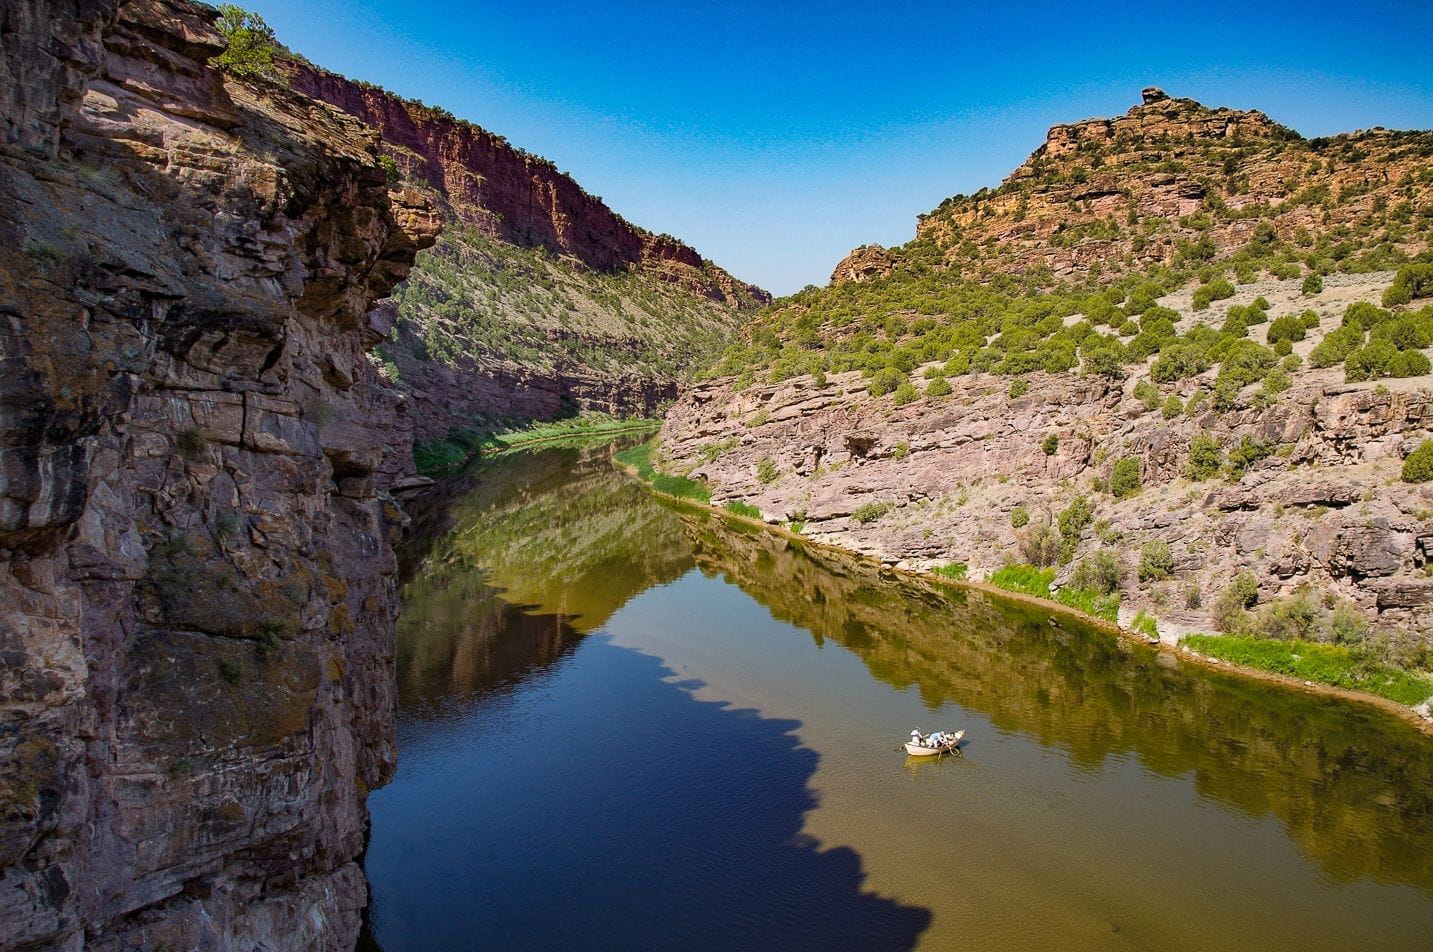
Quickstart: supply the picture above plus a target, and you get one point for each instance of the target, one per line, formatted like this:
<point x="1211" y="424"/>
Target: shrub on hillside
<point x="1289" y="328"/>
<point x="1313" y="284"/>
<point x="1206" y="457"/>
<point x="904" y="394"/>
<point x="1217" y="290"/>
<point x="1155" y="561"/>
<point x="1173" y="407"/>
<point x="1125" y="477"/>
<point x="938" y="387"/>
<point x="1099" y="572"/>
<point x="766" y="470"/>
<point x="1418" y="465"/>
<point x="1410" y="363"/>
<point x="870" y="512"/>
<point x="1039" y="545"/>
<point x="1050" y="444"/>
<point x="1336" y="347"/>
<point x="1370" y="362"/>
<point x="1231" y="610"/>
<point x="1019" y="517"/>
<point x="1248" y="451"/>
<point x="1412" y="281"/>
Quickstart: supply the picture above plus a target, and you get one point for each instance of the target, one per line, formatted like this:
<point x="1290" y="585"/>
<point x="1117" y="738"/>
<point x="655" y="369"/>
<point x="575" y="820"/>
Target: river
<point x="625" y="725"/>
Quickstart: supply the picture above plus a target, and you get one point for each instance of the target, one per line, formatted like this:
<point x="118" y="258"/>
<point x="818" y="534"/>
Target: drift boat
<point x="929" y="745"/>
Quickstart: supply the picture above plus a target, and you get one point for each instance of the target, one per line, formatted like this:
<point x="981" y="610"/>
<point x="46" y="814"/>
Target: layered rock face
<point x="1174" y="178"/>
<point x="513" y="195"/>
<point x="1320" y="504"/>
<point x="540" y="300"/>
<point x="196" y="574"/>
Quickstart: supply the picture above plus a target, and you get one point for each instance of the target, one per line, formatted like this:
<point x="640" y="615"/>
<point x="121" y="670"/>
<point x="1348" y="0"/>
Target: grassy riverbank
<point x="437" y="457"/>
<point x="1337" y="665"/>
<point x="639" y="460"/>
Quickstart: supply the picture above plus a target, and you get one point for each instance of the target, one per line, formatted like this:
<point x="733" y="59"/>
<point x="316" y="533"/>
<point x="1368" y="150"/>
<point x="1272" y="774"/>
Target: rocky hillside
<point x="196" y="460"/>
<point x="1171" y="182"/>
<point x="1179" y="357"/>
<point x="538" y="298"/>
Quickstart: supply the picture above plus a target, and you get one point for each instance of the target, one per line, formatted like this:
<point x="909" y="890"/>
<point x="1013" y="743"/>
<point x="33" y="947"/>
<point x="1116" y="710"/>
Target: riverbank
<point x="442" y="457"/>
<point x="637" y="463"/>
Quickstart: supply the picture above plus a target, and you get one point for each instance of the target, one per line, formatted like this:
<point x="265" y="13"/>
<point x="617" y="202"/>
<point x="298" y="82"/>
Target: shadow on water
<point x="694" y="845"/>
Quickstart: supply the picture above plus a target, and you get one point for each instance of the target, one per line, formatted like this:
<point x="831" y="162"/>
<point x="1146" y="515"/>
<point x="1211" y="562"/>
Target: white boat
<point x="929" y="745"/>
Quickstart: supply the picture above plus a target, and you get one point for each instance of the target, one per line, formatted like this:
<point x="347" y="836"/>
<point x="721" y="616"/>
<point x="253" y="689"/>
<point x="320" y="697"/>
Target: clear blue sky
<point x="775" y="135"/>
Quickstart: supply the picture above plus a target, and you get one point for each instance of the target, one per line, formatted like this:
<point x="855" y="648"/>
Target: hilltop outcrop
<point x="195" y="456"/>
<point x="1172" y="180"/>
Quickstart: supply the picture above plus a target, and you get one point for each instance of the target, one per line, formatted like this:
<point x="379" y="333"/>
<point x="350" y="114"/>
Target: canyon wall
<point x="196" y="570"/>
<point x="540" y="300"/>
<point x="965" y="476"/>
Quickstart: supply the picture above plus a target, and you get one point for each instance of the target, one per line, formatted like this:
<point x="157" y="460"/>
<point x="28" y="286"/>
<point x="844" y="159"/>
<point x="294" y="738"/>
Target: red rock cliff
<point x="514" y="196"/>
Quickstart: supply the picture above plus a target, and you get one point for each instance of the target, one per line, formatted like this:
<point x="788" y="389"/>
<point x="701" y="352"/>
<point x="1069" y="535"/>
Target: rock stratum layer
<point x="540" y="299"/>
<point x="196" y="574"/>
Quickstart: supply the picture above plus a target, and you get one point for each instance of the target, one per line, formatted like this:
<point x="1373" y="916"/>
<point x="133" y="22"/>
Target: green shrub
<point x="885" y="381"/>
<point x="1412" y="281"/>
<point x="1019" y="517"/>
<point x="191" y="442"/>
<point x="938" y="387"/>
<point x="1409" y="363"/>
<point x="955" y="570"/>
<point x="1100" y="572"/>
<point x="1178" y="361"/>
<point x="1289" y="327"/>
<point x="1217" y="290"/>
<point x="905" y="394"/>
<point x="1173" y="407"/>
<point x="766" y="470"/>
<point x="1206" y="457"/>
<point x="1050" y="444"/>
<point x="390" y="169"/>
<point x="818" y="379"/>
<point x="1039" y="545"/>
<point x="1248" y="451"/>
<point x="1073" y="520"/>
<point x="901" y="450"/>
<point x="742" y="509"/>
<point x="250" y="46"/>
<point x="1418" y="465"/>
<point x="1156" y="563"/>
<point x="1147" y="394"/>
<point x="1372" y="361"/>
<point x="871" y="511"/>
<point x="1313" y="284"/>
<point x="1231" y="610"/>
<point x="1145" y="624"/>
<point x="1337" y="346"/>
<point x="1125" y="477"/>
<point x="1018" y="388"/>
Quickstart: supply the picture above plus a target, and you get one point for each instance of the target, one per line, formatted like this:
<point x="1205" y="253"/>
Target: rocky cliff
<point x="539" y="298"/>
<point x="1173" y="180"/>
<point x="195" y="459"/>
<point x="1300" y="487"/>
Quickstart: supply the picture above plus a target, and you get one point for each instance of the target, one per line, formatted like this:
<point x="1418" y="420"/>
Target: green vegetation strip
<point x="435" y="457"/>
<point x="639" y="458"/>
<point x="1029" y="580"/>
<point x="1337" y="665"/>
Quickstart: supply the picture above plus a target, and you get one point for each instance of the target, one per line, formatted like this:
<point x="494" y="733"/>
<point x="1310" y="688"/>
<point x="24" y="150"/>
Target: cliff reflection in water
<point x="1354" y="786"/>
<point x="549" y="545"/>
<point x="540" y="548"/>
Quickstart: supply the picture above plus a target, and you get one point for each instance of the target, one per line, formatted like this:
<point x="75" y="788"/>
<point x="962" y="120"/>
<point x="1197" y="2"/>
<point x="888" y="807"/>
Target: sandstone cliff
<point x="544" y="300"/>
<point x="195" y="457"/>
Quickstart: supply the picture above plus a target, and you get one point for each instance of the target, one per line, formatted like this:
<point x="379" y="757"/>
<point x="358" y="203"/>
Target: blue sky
<point x="775" y="136"/>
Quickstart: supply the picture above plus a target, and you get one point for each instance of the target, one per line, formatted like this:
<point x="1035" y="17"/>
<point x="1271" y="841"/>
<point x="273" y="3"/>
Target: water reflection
<point x="1354" y="785"/>
<point x="620" y="840"/>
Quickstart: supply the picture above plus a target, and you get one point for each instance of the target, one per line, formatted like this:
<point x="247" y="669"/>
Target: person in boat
<point x="936" y="738"/>
<point x="917" y="739"/>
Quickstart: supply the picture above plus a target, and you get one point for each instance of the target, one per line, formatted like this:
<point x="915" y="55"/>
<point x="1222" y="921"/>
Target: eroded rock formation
<point x="195" y="564"/>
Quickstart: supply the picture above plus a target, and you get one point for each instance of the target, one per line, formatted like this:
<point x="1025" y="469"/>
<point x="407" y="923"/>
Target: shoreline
<point x="1054" y="608"/>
